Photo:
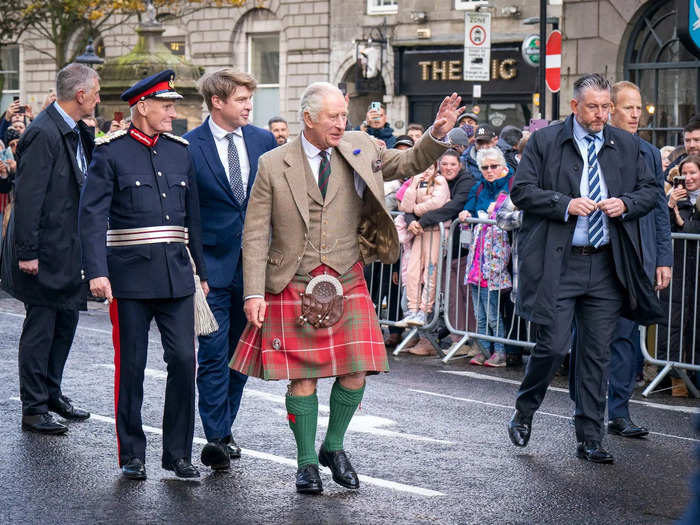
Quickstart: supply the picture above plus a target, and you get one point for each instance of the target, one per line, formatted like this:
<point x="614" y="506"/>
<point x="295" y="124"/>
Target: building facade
<point x="409" y="54"/>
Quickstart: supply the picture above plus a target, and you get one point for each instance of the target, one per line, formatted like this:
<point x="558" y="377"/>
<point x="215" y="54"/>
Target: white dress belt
<point x="147" y="235"/>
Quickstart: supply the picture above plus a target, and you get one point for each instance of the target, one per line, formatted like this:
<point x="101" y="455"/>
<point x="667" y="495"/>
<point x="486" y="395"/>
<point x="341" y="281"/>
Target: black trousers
<point x="589" y="292"/>
<point x="47" y="335"/>
<point x="131" y="319"/>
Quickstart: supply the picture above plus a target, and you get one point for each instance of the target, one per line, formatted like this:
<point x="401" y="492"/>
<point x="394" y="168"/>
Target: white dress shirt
<point x="222" y="148"/>
<point x="313" y="155"/>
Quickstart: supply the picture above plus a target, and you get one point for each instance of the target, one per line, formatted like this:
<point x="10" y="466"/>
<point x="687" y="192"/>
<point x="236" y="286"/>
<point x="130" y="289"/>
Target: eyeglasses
<point x="490" y="167"/>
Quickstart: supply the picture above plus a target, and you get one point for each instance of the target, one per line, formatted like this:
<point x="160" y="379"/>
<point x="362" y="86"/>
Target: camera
<point x="679" y="180"/>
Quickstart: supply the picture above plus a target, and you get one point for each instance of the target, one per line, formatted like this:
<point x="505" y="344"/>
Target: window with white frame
<point x="264" y="65"/>
<point x="469" y="5"/>
<point x="9" y="68"/>
<point x="382" y="7"/>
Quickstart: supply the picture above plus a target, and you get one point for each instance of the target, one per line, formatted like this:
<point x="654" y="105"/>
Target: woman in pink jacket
<point x="428" y="191"/>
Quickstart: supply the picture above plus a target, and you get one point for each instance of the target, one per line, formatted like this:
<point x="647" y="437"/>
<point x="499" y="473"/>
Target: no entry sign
<point x="553" y="62"/>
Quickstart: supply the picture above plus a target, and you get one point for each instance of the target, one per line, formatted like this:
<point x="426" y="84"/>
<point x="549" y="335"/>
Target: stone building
<point x="410" y="53"/>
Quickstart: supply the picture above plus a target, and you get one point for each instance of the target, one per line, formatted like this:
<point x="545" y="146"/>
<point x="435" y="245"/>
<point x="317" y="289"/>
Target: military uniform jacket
<point x="132" y="185"/>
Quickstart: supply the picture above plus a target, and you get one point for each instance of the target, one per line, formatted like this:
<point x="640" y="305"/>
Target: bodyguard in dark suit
<point x="46" y="272"/>
<point x="582" y="186"/>
<point x="657" y="256"/>
<point x="225" y="151"/>
<point x="138" y="213"/>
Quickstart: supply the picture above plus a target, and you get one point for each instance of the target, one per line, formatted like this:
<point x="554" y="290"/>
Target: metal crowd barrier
<point x="387" y="295"/>
<point x="458" y="296"/>
<point x="673" y="346"/>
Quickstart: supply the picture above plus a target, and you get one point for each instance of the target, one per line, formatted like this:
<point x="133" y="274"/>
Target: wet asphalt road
<point x="430" y="441"/>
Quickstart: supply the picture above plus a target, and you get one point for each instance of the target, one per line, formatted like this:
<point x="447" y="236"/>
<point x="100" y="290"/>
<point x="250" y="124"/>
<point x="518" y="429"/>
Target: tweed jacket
<point x="278" y="219"/>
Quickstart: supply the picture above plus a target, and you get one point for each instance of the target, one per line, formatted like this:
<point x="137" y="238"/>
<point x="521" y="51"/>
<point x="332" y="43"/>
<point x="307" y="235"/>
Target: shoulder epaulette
<point x="176" y="138"/>
<point x="110" y="137"/>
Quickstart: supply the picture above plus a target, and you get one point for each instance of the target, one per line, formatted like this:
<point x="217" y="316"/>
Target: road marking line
<point x="385" y="483"/>
<point x="510" y="407"/>
<point x="476" y="375"/>
<point x="360" y="423"/>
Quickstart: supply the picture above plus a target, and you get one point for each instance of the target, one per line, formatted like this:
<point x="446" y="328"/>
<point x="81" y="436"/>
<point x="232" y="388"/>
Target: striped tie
<point x="324" y="173"/>
<point x="595" y="219"/>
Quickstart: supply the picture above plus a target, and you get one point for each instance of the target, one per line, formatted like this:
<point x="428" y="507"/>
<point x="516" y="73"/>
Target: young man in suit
<point x="582" y="185"/>
<point x="225" y="151"/>
<point x="53" y="157"/>
<point x="317" y="211"/>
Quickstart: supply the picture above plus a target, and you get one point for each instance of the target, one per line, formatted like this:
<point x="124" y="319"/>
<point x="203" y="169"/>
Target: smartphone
<point x="118" y="116"/>
<point x="15" y="98"/>
<point x="375" y="106"/>
<point x="343" y="87"/>
<point x="679" y="180"/>
<point x="21" y="109"/>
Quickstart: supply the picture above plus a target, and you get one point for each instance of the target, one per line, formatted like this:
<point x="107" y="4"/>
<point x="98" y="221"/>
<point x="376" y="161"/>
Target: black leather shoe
<point x="624" y="427"/>
<point x="234" y="451"/>
<point x="216" y="455"/>
<point x="183" y="468"/>
<point x="134" y="469"/>
<point x="64" y="408"/>
<point x="43" y="424"/>
<point x="519" y="428"/>
<point x="308" y="480"/>
<point x="593" y="451"/>
<point x="338" y="462"/>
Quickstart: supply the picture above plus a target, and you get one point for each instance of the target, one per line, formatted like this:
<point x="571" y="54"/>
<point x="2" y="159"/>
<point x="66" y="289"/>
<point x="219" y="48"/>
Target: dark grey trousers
<point x="589" y="292"/>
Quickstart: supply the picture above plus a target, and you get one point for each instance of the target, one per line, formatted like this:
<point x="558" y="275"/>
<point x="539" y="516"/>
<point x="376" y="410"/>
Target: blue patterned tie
<point x="234" y="171"/>
<point x="595" y="219"/>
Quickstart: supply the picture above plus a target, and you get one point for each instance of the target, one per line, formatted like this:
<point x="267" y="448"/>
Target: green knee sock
<point x="343" y="403"/>
<point x="302" y="412"/>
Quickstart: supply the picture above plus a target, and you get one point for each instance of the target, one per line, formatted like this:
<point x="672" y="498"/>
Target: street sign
<point x="477" y="47"/>
<point x="531" y="50"/>
<point x="688" y="24"/>
<point x="553" y="61"/>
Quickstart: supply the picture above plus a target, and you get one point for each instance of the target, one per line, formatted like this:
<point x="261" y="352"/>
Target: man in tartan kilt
<point x="315" y="216"/>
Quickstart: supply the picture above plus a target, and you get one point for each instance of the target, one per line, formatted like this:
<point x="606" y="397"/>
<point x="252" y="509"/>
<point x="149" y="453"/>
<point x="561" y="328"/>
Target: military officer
<point x="138" y="213"/>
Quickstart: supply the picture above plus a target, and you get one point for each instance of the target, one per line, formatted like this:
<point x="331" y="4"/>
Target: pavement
<point x="429" y="442"/>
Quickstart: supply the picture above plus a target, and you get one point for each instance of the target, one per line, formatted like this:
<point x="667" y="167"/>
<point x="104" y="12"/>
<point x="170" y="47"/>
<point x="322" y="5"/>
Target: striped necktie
<point x="595" y="219"/>
<point x="80" y="155"/>
<point x="324" y="173"/>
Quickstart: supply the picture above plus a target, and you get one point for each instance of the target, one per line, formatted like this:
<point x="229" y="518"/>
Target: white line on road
<point x="401" y="487"/>
<point x="475" y="375"/>
<point x="510" y="407"/>
<point x="360" y="422"/>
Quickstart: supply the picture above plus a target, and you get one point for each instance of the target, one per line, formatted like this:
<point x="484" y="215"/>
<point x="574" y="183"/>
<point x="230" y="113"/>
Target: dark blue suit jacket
<point x="222" y="217"/>
<point x="655" y="227"/>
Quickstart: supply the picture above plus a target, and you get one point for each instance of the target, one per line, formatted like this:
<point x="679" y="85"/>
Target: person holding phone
<point x="377" y="126"/>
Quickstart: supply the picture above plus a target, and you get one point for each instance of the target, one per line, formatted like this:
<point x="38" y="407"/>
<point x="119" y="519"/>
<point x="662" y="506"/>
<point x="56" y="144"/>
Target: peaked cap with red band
<point x="161" y="85"/>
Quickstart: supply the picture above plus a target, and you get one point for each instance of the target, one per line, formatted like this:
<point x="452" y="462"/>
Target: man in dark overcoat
<point x="46" y="273"/>
<point x="582" y="186"/>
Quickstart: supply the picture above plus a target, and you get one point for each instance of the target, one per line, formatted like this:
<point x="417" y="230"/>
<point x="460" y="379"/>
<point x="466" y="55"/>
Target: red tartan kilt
<point x="353" y="344"/>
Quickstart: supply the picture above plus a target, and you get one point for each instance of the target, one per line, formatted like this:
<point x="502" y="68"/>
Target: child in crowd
<point x="427" y="191"/>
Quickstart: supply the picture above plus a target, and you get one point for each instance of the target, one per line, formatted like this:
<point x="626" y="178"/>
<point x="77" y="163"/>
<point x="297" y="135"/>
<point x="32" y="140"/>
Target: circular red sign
<point x="477" y="35"/>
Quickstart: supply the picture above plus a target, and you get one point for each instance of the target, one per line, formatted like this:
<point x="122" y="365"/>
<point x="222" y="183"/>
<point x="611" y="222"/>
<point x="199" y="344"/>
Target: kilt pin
<point x="314" y="212"/>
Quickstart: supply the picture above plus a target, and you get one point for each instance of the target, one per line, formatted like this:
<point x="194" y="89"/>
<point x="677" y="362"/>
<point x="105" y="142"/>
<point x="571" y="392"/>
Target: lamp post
<point x="89" y="57"/>
<point x="554" y="21"/>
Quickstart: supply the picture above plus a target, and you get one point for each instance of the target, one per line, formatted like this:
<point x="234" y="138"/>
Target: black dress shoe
<point x="183" y="468"/>
<point x="43" y="424"/>
<point x="594" y="452"/>
<point x="64" y="408"/>
<point x="216" y="455"/>
<point x="624" y="427"/>
<point x="234" y="451"/>
<point x="134" y="469"/>
<point x="338" y="462"/>
<point x="519" y="429"/>
<point x="308" y="480"/>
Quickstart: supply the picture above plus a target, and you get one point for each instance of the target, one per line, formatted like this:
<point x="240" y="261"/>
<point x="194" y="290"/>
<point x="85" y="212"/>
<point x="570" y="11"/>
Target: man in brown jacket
<point x="316" y="215"/>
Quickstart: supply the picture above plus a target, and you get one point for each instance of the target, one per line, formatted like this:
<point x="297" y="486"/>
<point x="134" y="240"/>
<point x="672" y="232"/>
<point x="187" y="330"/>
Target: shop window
<point x="666" y="73"/>
<point x="382" y="7"/>
<point x="264" y="65"/>
<point x="176" y="47"/>
<point x="9" y="68"/>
